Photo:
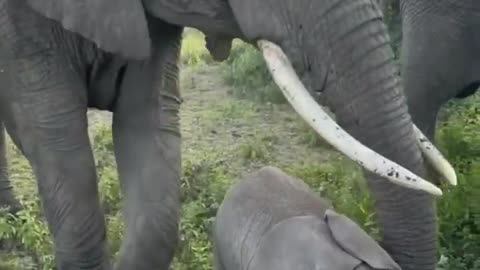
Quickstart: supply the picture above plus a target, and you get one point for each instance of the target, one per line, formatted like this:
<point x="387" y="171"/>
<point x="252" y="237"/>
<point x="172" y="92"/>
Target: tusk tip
<point x="429" y="187"/>
<point x="435" y="157"/>
<point x="448" y="172"/>
<point x="437" y="192"/>
<point x="452" y="177"/>
<point x="434" y="190"/>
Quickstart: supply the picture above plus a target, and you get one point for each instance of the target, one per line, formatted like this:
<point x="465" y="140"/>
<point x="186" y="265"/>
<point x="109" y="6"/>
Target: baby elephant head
<point x="310" y="243"/>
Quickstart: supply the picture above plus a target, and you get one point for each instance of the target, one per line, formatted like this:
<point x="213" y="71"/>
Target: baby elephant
<point x="272" y="221"/>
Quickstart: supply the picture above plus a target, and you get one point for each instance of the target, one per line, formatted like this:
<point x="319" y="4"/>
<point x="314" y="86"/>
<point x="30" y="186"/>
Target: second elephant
<point x="440" y="55"/>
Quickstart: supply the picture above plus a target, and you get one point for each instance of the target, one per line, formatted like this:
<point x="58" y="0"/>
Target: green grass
<point x="247" y="72"/>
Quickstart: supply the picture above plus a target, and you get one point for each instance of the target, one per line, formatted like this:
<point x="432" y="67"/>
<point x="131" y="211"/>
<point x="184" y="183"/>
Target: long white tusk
<point x="301" y="100"/>
<point x="435" y="157"/>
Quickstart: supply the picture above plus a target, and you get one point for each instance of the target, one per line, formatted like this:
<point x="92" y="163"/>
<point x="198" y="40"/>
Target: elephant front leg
<point x="147" y="147"/>
<point x="7" y="198"/>
<point x="46" y="117"/>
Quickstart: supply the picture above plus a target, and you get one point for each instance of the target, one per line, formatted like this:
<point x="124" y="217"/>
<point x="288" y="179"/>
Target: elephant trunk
<point x="367" y="98"/>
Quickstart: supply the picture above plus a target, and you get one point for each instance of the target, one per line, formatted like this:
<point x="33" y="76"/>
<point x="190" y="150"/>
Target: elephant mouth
<point x="303" y="103"/>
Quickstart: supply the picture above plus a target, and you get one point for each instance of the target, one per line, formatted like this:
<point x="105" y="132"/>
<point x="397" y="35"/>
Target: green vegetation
<point x="247" y="72"/>
<point x="193" y="49"/>
<point x="224" y="137"/>
<point x="459" y="210"/>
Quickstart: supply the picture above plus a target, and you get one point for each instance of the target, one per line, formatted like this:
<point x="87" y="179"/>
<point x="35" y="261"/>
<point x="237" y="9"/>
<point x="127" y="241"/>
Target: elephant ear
<point x="357" y="242"/>
<point x="116" y="26"/>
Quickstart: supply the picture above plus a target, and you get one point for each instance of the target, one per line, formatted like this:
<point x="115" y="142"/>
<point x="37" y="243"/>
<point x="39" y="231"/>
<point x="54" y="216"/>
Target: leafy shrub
<point x="459" y="209"/>
<point x="247" y="72"/>
<point x="30" y="234"/>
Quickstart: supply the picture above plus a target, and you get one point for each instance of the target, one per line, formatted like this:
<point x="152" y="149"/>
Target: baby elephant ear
<point x="357" y="242"/>
<point x="116" y="26"/>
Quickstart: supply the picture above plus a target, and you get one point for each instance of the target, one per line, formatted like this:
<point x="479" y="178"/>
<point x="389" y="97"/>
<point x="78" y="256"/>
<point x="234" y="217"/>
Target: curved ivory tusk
<point x="301" y="100"/>
<point x="435" y="157"/>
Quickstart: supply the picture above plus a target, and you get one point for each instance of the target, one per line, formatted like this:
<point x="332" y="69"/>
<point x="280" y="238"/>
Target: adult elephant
<point x="440" y="55"/>
<point x="60" y="57"/>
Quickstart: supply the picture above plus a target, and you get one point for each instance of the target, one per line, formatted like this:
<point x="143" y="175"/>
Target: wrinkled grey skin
<point x="51" y="76"/>
<point x="440" y="55"/>
<point x="440" y="61"/>
<point x="272" y="221"/>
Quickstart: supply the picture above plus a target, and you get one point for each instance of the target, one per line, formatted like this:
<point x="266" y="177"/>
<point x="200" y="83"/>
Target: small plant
<point x="256" y="149"/>
<point x="30" y="233"/>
